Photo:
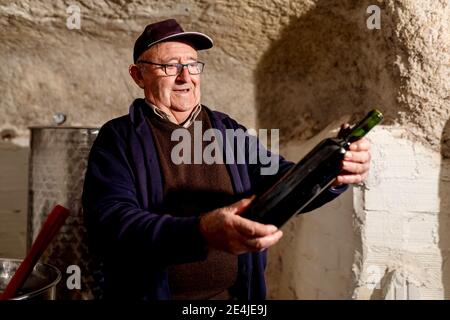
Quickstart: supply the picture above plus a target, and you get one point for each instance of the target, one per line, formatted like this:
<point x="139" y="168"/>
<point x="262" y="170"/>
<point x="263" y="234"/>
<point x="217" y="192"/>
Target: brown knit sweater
<point x="193" y="189"/>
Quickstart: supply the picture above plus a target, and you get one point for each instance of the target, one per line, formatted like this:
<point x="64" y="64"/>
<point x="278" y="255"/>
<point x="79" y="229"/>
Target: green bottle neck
<point x="373" y="118"/>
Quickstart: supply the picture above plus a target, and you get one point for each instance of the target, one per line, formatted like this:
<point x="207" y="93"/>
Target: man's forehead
<point x="171" y="50"/>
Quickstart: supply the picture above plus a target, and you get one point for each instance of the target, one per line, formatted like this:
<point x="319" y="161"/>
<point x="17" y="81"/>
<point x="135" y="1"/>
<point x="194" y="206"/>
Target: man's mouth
<point x="182" y="90"/>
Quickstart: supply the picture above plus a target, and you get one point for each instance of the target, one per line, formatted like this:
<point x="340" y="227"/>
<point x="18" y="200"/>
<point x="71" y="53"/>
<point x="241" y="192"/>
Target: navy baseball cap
<point x="168" y="30"/>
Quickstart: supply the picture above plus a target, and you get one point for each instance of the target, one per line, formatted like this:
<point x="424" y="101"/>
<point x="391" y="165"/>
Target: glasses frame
<point x="180" y="66"/>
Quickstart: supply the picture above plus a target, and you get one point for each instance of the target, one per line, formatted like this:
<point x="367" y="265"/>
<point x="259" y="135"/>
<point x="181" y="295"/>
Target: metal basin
<point x="40" y="285"/>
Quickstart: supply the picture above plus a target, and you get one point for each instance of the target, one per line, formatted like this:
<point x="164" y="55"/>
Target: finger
<point x="253" y="229"/>
<point x="358" y="156"/>
<point x="262" y="243"/>
<point x="360" y="145"/>
<point x="241" y="205"/>
<point x="344" y="173"/>
<point x="350" y="178"/>
<point x="355" y="167"/>
<point x="364" y="176"/>
<point x="238" y="245"/>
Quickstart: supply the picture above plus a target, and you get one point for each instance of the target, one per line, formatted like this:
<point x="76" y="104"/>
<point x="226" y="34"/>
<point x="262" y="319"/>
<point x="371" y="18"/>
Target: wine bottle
<point x="309" y="177"/>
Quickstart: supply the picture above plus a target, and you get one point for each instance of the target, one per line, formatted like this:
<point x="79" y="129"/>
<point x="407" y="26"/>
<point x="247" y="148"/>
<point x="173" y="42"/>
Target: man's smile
<point x="182" y="91"/>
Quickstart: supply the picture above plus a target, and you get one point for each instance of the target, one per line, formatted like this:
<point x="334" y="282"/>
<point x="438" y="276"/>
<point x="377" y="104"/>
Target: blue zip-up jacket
<point x="135" y="242"/>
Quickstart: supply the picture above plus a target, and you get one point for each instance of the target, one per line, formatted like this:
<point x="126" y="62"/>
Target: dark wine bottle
<point x="309" y="177"/>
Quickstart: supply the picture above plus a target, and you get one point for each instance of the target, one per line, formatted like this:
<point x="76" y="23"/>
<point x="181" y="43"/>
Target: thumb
<point x="240" y="206"/>
<point x="345" y="128"/>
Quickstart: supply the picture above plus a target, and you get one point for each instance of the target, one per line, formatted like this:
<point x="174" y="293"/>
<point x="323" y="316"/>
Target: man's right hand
<point x="225" y="230"/>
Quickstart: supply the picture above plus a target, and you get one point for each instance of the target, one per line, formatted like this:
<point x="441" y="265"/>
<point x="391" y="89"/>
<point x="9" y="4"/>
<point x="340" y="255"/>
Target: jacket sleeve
<point x="115" y="219"/>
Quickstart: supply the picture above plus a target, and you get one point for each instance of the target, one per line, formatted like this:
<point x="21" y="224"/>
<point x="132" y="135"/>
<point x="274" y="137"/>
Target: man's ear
<point x="136" y="74"/>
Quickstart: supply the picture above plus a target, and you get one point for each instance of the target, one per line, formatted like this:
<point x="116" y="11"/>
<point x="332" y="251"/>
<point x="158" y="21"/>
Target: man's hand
<point x="225" y="230"/>
<point x="356" y="163"/>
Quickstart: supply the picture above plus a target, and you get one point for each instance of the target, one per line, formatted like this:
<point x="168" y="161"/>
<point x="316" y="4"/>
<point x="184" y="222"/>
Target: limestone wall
<point x="402" y="218"/>
<point x="294" y="65"/>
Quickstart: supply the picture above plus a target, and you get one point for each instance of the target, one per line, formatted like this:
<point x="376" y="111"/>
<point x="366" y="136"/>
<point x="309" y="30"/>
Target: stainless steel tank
<point x="58" y="161"/>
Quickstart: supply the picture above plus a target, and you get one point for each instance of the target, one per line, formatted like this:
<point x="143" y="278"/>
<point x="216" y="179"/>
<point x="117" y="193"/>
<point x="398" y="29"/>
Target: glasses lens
<point x="195" y="67"/>
<point x="173" y="69"/>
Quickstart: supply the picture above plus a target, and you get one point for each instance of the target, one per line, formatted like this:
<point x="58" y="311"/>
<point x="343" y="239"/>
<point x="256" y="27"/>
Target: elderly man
<point x="168" y="230"/>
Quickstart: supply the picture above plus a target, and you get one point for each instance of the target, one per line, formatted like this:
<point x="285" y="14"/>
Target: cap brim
<point x="198" y="40"/>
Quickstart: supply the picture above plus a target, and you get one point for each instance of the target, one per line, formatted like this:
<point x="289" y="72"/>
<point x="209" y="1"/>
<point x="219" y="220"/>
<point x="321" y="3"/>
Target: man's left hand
<point x="356" y="163"/>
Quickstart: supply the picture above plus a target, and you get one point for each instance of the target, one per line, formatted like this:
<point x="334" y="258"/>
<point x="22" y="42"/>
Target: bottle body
<point x="311" y="176"/>
<point x="299" y="186"/>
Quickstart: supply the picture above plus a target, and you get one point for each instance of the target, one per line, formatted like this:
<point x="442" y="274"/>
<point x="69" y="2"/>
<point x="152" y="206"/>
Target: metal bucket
<point x="58" y="162"/>
<point x="40" y="284"/>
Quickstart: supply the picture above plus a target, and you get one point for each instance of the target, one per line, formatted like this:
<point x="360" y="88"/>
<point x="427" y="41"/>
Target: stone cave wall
<point x="300" y="66"/>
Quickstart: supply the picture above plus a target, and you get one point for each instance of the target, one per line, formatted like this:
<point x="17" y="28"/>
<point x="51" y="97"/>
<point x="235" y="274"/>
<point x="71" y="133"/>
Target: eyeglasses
<point x="173" y="69"/>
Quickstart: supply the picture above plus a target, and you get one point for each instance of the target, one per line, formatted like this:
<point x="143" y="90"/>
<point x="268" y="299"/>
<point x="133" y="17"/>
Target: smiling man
<point x="172" y="87"/>
<point x="166" y="230"/>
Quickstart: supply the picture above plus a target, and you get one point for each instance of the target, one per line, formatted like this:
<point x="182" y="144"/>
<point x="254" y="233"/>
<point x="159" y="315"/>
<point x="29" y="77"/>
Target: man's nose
<point x="184" y="74"/>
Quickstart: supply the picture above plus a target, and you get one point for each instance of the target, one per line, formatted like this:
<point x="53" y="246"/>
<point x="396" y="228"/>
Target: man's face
<point x="179" y="93"/>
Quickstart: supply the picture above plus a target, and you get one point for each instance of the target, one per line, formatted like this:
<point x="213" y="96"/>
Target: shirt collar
<point x="171" y="118"/>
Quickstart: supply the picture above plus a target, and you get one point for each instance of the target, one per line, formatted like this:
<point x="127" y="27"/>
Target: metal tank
<point x="58" y="162"/>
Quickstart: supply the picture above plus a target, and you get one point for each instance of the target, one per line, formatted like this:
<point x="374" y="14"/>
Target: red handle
<point x="52" y="224"/>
